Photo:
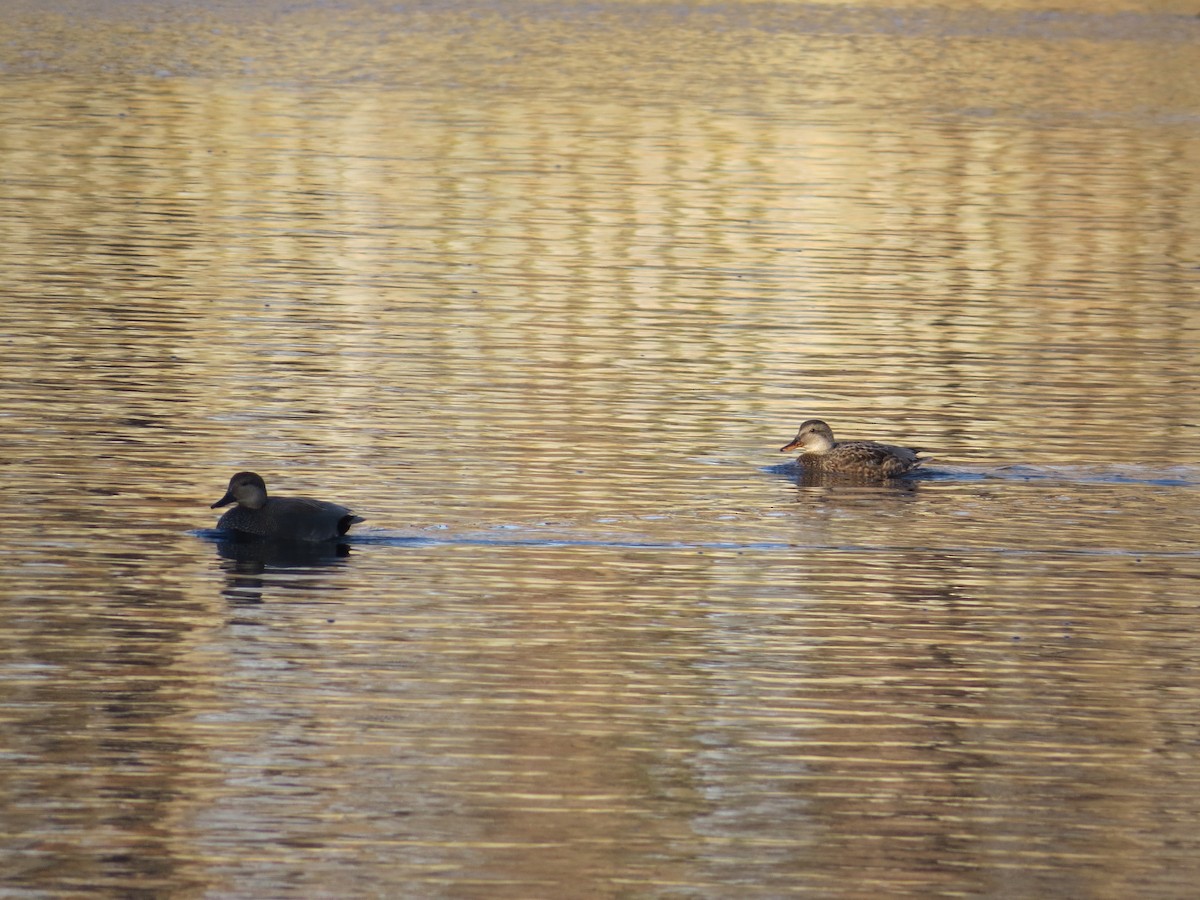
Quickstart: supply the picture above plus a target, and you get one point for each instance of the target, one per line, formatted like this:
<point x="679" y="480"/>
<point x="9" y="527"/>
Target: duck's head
<point x="247" y="489"/>
<point x="814" y="436"/>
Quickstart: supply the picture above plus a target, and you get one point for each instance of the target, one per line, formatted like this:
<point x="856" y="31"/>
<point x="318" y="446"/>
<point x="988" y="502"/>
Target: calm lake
<point x="539" y="290"/>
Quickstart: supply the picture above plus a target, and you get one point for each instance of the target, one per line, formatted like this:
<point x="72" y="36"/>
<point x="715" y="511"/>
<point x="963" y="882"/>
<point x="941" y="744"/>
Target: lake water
<point x="539" y="290"/>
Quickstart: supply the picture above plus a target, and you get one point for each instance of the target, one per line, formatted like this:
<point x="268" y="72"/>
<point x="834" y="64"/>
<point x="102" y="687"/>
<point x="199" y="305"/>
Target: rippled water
<point x="539" y="290"/>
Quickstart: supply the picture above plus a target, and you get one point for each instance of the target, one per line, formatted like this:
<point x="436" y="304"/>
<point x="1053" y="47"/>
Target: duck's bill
<point x="224" y="501"/>
<point x="792" y="446"/>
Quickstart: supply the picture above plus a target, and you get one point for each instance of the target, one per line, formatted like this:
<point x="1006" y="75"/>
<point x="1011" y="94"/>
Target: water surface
<point x="539" y="289"/>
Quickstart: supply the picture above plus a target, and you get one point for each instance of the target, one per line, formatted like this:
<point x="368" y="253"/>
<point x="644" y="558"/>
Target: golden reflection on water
<point x="539" y="291"/>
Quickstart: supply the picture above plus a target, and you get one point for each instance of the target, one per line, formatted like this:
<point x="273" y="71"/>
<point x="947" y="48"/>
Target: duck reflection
<point x="252" y="565"/>
<point x="808" y="477"/>
<point x="260" y="554"/>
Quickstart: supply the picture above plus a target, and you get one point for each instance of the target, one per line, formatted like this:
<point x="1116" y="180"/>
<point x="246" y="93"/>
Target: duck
<point x="820" y="452"/>
<point x="280" y="518"/>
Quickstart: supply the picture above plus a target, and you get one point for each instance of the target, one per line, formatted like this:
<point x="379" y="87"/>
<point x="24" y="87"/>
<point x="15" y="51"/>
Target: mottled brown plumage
<point x="280" y="518"/>
<point x="819" y="452"/>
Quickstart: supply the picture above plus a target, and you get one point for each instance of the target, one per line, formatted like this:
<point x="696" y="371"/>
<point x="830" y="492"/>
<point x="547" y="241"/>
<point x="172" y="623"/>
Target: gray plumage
<point x="280" y="518"/>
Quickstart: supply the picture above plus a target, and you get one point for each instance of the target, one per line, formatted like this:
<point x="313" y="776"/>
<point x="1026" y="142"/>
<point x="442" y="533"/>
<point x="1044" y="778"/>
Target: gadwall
<point x="280" y="518"/>
<point x="819" y="452"/>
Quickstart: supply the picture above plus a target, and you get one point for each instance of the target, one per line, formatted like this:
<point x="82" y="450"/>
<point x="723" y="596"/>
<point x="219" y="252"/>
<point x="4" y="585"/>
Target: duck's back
<point x="291" y="519"/>
<point x="865" y="458"/>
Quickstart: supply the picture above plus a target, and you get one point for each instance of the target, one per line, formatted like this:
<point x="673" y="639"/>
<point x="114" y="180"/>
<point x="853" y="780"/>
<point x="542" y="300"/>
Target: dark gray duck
<point x="819" y="452"/>
<point x="280" y="518"/>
